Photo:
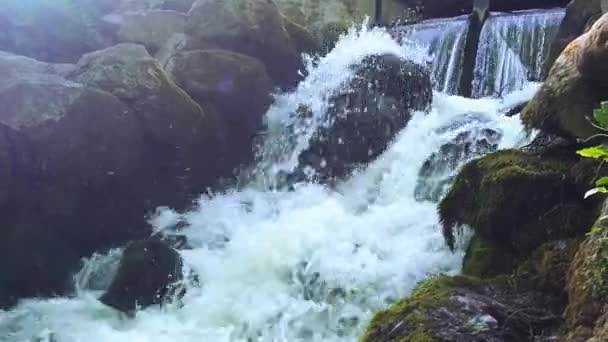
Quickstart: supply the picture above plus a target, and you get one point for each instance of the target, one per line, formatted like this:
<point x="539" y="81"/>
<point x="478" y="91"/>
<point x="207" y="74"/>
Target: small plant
<point x="598" y="270"/>
<point x="600" y="152"/>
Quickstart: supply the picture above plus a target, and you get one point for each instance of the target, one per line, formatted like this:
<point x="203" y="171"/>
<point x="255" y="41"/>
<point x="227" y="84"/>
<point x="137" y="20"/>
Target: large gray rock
<point x="366" y="117"/>
<point x="147" y="275"/>
<point x="127" y="71"/>
<point x="80" y="135"/>
<point x="236" y="85"/>
<point x="151" y="28"/>
<point x="250" y="27"/>
<point x="64" y="147"/>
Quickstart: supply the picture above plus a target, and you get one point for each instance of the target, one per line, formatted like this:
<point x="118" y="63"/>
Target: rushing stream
<point x="305" y="264"/>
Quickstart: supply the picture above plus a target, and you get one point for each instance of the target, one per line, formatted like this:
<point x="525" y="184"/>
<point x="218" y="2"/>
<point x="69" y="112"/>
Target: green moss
<point x="503" y="192"/>
<point x="413" y="310"/>
<point x="588" y="278"/>
<point x="485" y="260"/>
<point x="546" y="268"/>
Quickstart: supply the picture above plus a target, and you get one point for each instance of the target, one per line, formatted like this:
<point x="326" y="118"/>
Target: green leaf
<point x="596" y="152"/>
<point x="601" y="115"/>
<point x="602" y="182"/>
<point x="600" y="190"/>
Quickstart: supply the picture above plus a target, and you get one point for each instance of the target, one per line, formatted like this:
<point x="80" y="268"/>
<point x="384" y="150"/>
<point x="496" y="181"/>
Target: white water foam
<point x="311" y="264"/>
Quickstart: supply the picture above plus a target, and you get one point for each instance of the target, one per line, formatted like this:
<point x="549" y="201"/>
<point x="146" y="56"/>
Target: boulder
<point x="148" y="275"/>
<point x="151" y="28"/>
<point x="580" y="14"/>
<point x="84" y="144"/>
<point x="52" y="31"/>
<point x="127" y="71"/>
<point x="574" y="88"/>
<point x="251" y="27"/>
<point x="587" y="284"/>
<point x="177" y="132"/>
<point x="365" y="118"/>
<point x="547" y="267"/>
<point x="545" y="207"/>
<point x="463" y="309"/>
<point x="46" y="109"/>
<point x="485" y="259"/>
<point x="235" y="85"/>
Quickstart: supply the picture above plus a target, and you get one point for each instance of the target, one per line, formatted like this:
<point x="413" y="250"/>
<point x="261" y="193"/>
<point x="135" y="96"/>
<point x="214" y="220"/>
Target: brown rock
<point x="579" y="15"/>
<point x="574" y="88"/>
<point x="586" y="284"/>
<point x="250" y="27"/>
<point x="593" y="55"/>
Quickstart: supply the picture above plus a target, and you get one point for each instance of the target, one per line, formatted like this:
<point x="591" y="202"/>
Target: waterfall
<point x="443" y="40"/>
<point x="512" y="50"/>
<point x="307" y="264"/>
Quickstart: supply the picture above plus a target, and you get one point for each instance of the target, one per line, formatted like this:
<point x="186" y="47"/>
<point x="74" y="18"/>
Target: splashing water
<point x="287" y="134"/>
<point x="311" y="264"/>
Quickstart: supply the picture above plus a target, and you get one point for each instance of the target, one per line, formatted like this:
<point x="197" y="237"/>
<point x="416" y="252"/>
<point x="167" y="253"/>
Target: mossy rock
<point x="516" y="200"/>
<point x="587" y="279"/>
<point x="485" y="260"/>
<point x="547" y="267"/>
<point x="463" y="309"/>
<point x="406" y="320"/>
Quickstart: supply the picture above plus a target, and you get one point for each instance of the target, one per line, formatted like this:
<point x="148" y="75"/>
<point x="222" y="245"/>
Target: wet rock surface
<point x="362" y="122"/>
<point x="463" y="309"/>
<point x="148" y="274"/>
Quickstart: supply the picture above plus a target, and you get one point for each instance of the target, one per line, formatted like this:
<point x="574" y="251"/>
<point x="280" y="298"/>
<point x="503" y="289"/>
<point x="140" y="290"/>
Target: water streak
<point x="444" y="41"/>
<point x="512" y="50"/>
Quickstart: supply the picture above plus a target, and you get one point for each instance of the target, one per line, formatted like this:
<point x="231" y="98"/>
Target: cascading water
<point x="444" y="41"/>
<point x="512" y="49"/>
<point x="306" y="264"/>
